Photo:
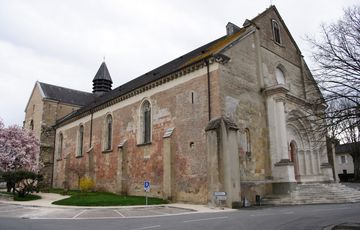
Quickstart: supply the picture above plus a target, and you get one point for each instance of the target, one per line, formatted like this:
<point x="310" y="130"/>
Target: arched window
<point x="248" y="141"/>
<point x="145" y="120"/>
<point x="108" y="132"/>
<point x="276" y="31"/>
<point x="280" y="77"/>
<point x="80" y="148"/>
<point x="32" y="125"/>
<point x="60" y="146"/>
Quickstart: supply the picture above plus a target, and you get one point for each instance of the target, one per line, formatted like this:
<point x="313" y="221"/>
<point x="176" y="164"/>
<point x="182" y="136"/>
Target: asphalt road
<point x="294" y="217"/>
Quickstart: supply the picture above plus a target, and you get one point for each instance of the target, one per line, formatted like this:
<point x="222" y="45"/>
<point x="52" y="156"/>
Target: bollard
<point x="258" y="200"/>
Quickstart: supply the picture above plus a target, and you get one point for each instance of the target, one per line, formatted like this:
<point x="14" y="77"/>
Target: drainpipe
<point x="53" y="159"/>
<point x="91" y="125"/>
<point x="208" y="87"/>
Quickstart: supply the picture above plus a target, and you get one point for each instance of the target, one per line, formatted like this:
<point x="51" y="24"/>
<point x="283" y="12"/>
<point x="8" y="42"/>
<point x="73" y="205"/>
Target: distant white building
<point x="344" y="160"/>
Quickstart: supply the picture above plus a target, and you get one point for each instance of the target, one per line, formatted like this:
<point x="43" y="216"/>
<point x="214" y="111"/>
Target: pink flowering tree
<point x="19" y="149"/>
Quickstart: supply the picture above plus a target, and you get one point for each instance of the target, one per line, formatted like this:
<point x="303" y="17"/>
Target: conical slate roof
<point x="102" y="81"/>
<point x="103" y="73"/>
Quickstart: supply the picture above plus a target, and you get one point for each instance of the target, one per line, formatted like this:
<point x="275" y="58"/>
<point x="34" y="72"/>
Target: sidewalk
<point x="48" y="198"/>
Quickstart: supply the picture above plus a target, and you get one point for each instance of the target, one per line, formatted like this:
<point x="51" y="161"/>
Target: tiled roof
<point x="66" y="95"/>
<point x="177" y="64"/>
<point x="197" y="55"/>
<point x="347" y="148"/>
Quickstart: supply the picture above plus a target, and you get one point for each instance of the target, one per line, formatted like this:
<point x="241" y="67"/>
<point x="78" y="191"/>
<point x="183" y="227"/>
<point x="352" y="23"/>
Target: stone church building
<point x="234" y="115"/>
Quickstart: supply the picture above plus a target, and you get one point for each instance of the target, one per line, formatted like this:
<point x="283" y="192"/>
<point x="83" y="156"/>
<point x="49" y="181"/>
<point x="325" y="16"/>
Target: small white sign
<point x="219" y="193"/>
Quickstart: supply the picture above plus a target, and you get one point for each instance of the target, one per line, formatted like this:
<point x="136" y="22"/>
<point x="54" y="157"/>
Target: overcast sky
<point x="64" y="42"/>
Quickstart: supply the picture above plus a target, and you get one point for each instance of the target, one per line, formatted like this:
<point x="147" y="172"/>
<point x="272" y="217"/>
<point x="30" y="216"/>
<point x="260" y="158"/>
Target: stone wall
<point x="244" y="89"/>
<point x="242" y="100"/>
<point x="33" y="112"/>
<point x="182" y="104"/>
<point x="44" y="113"/>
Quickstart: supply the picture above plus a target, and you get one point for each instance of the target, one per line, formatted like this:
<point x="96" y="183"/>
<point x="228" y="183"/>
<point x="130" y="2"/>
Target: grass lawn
<point x="17" y="198"/>
<point x="105" y="199"/>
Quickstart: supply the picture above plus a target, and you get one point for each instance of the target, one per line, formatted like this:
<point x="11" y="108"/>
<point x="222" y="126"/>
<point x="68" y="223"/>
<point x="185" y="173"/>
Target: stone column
<point x="167" y="169"/>
<point x="90" y="164"/>
<point x="326" y="168"/>
<point x="282" y="168"/>
<point x="281" y="128"/>
<point x="213" y="164"/>
<point x="122" y="171"/>
<point x="223" y="161"/>
<point x="302" y="162"/>
<point x="167" y="165"/>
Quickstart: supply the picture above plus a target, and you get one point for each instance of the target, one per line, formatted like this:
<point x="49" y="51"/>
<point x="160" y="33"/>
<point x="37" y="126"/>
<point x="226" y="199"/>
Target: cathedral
<point x="234" y="115"/>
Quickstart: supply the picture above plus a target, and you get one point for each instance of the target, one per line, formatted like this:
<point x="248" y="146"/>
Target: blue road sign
<point x="147" y="185"/>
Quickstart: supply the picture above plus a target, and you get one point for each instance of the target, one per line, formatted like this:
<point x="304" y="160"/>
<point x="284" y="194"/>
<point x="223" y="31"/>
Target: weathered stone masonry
<point x="228" y="116"/>
<point x="183" y="106"/>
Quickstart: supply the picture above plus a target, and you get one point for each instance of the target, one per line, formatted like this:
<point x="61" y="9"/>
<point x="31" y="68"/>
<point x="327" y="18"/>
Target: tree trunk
<point x="356" y="159"/>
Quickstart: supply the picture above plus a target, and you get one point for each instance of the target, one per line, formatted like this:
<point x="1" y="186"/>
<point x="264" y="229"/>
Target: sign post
<point x="147" y="189"/>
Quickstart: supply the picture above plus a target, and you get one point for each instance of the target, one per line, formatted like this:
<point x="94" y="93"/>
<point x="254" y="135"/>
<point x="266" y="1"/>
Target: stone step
<point x="315" y="193"/>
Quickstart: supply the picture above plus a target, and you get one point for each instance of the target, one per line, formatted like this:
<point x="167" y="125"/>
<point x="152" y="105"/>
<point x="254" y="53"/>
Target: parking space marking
<point x="214" y="218"/>
<point x="119" y="213"/>
<point x="155" y="226"/>
<point x="272" y="214"/>
<point x="77" y="215"/>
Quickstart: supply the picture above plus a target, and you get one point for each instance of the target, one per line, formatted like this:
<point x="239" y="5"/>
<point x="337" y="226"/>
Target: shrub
<point x="86" y="184"/>
<point x="22" y="182"/>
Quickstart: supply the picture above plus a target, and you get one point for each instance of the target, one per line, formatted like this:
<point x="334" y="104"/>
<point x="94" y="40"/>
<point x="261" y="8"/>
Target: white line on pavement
<point x="119" y="213"/>
<point x="155" y="226"/>
<point x="214" y="218"/>
<point x="330" y="209"/>
<point x="77" y="215"/>
<point x="288" y="213"/>
<point x="264" y="214"/>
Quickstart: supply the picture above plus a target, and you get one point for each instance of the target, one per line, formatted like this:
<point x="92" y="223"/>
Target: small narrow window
<point x="108" y="132"/>
<point x="80" y="141"/>
<point x="60" y="146"/>
<point x="192" y="97"/>
<point x="32" y="125"/>
<point x="343" y="159"/>
<point x="147" y="119"/>
<point x="248" y="141"/>
<point x="276" y="32"/>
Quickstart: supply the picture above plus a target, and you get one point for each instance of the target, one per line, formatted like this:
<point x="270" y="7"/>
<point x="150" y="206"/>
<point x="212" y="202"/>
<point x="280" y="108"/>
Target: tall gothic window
<point x="80" y="141"/>
<point x="146" y="122"/>
<point x="60" y="146"/>
<point x="108" y="132"/>
<point x="276" y="31"/>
